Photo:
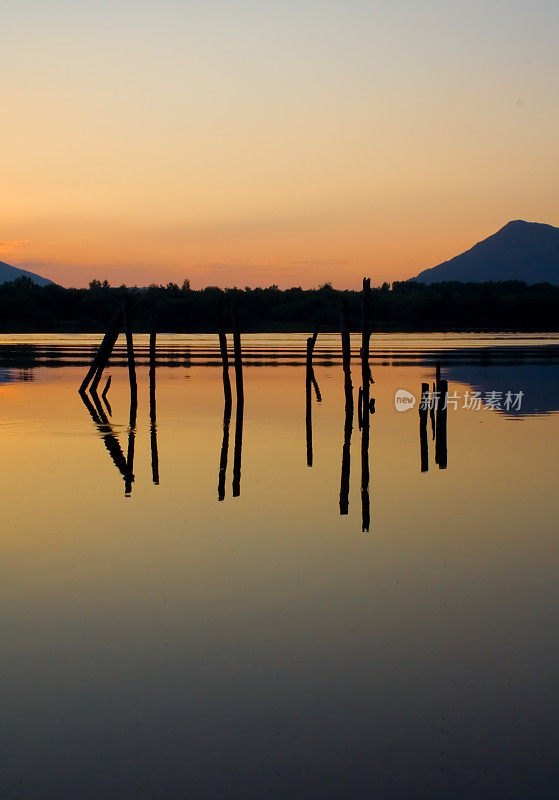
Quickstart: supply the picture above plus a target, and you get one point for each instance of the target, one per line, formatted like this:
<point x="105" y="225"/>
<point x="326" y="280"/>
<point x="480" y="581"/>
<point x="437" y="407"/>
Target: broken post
<point x="101" y="358"/>
<point x="348" y="421"/>
<point x="308" y="402"/>
<point x="237" y="455"/>
<point x="130" y="352"/>
<point x="224" y="356"/>
<point x="346" y="355"/>
<point x="152" y="398"/>
<point x="365" y="402"/>
<point x="238" y="356"/>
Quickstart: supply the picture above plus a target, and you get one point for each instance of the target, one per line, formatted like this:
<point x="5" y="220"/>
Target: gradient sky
<point x="251" y="143"/>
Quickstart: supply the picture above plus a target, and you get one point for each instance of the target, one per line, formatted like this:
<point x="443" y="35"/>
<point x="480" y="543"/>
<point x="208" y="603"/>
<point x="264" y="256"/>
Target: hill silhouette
<point x="522" y="251"/>
<point x="9" y="273"/>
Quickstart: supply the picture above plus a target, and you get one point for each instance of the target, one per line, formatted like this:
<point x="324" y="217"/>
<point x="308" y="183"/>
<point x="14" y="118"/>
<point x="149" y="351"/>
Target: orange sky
<point x="259" y="143"/>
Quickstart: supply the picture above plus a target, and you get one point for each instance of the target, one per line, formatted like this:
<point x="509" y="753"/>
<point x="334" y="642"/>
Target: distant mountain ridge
<point x="523" y="251"/>
<point x="9" y="273"/>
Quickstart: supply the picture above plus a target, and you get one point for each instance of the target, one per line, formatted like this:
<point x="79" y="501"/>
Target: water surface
<point x="161" y="642"/>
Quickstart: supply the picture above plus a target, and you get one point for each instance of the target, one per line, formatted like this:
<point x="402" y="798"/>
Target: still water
<point x="159" y="642"/>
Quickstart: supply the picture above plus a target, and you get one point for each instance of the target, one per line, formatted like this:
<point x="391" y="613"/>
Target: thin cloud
<point x="12" y="244"/>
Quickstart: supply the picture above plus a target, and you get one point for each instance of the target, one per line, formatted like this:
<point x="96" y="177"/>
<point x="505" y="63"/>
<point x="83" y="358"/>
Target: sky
<point x="246" y="143"/>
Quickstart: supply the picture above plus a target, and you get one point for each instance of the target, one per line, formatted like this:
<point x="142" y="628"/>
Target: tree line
<point x="402" y="306"/>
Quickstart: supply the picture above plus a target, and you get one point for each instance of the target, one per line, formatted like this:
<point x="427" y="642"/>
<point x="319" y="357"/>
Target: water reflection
<point x="129" y="477"/>
<point x="348" y="404"/>
<point x="224" y="450"/>
<point x="124" y="464"/>
<point x="107" y="433"/>
<point x="153" y="403"/>
<point x="237" y="456"/>
<point x="440" y="427"/>
<point x="423" y="441"/>
<point x="310" y="384"/>
<point x="263" y="604"/>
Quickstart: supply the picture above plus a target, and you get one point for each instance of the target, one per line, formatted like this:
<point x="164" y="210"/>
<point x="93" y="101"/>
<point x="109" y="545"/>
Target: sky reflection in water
<point x="168" y="643"/>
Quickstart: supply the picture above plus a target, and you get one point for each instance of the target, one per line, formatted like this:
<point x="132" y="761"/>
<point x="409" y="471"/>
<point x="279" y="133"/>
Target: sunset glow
<point x="274" y="142"/>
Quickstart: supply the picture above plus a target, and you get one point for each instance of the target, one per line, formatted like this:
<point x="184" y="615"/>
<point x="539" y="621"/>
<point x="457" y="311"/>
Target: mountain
<point x="9" y="273"/>
<point x="522" y="251"/>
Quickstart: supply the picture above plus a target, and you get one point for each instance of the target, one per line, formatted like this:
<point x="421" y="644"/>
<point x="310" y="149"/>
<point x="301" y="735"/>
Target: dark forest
<point x="402" y="306"/>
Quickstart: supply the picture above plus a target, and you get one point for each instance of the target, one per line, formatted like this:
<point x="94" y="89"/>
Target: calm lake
<point x="188" y="615"/>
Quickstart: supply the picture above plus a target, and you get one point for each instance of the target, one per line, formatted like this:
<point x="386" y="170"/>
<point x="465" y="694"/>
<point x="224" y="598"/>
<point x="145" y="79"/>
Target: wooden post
<point x="348" y="422"/>
<point x="311" y="341"/>
<point x="130" y="351"/>
<point x="346" y="355"/>
<point x="365" y="339"/>
<point x="308" y="402"/>
<point x="237" y="455"/>
<point x="224" y="356"/>
<point x="152" y="398"/>
<point x="152" y="362"/>
<point x="100" y="359"/>
<point x="238" y="356"/>
<point x="423" y="415"/>
<point x="365" y="402"/>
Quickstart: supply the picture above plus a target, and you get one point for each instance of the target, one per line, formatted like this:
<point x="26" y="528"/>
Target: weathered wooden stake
<point x="152" y="398"/>
<point x="308" y="402"/>
<point x="237" y="349"/>
<point x="365" y="403"/>
<point x="346" y="355"/>
<point x="348" y="422"/>
<point x="224" y="356"/>
<point x="100" y="359"/>
<point x="237" y="455"/>
<point x="131" y="359"/>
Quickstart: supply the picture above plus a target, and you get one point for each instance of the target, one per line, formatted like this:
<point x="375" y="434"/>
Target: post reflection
<point x="238" y="448"/>
<point x="346" y="460"/>
<point x="129" y="477"/>
<point x="107" y="434"/>
<point x="124" y="464"/>
<point x="153" y="404"/>
<point x="224" y="450"/>
<point x="441" y="453"/>
<point x="310" y="384"/>
<point x="423" y="441"/>
<point x="348" y="423"/>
